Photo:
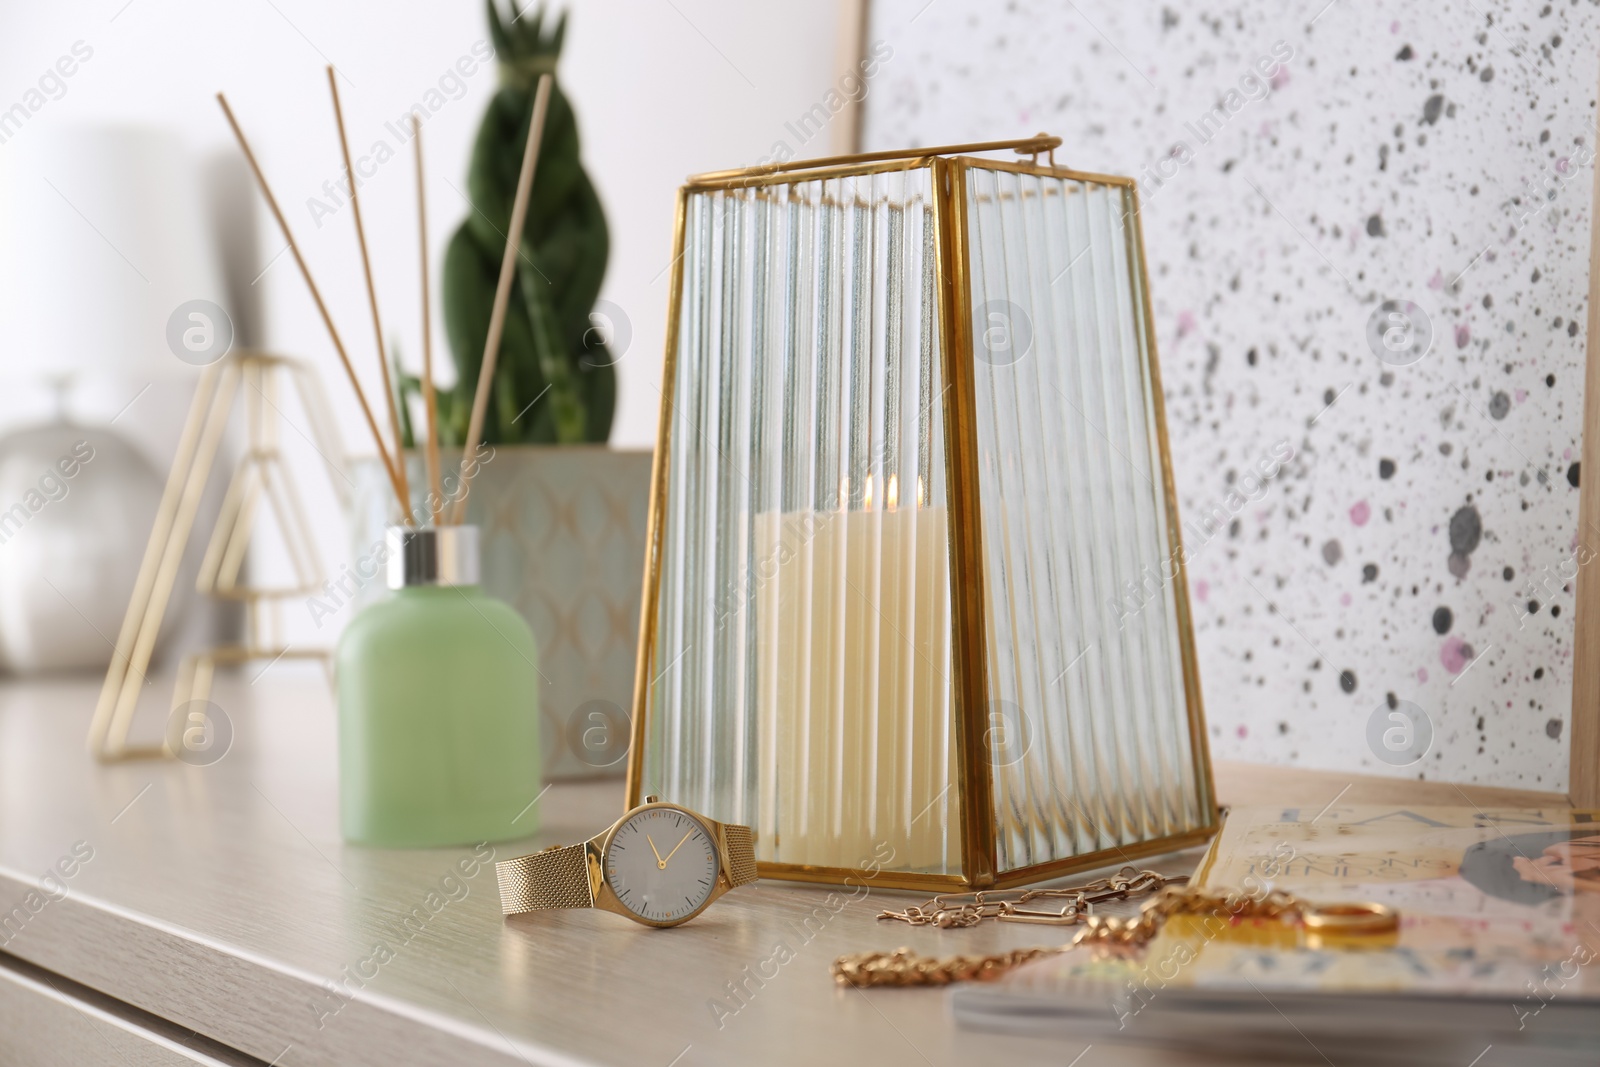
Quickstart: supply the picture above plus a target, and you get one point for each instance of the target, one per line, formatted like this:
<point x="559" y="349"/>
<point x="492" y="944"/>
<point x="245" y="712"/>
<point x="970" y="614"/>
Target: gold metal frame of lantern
<point x="974" y="784"/>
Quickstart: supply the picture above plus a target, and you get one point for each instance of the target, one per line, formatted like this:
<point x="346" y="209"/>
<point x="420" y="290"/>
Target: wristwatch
<point x="660" y="865"/>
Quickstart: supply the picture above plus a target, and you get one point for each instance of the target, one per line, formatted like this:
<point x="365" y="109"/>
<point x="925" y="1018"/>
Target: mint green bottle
<point x="438" y="704"/>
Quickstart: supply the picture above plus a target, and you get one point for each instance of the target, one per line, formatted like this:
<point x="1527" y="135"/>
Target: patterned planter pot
<point x="563" y="531"/>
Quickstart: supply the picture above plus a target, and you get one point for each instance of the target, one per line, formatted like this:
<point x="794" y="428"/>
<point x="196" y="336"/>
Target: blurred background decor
<point x="68" y="547"/>
<point x="263" y="385"/>
<point x="159" y="67"/>
<point x="104" y="244"/>
<point x="562" y="516"/>
<point x="555" y="382"/>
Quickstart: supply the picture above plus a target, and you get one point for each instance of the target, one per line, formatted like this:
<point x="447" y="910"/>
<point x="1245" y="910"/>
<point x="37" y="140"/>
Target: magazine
<point x="1496" y="960"/>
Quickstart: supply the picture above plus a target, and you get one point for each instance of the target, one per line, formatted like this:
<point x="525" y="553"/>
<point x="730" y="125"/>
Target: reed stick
<point x="316" y="296"/>
<point x="372" y="300"/>
<point x="502" y="291"/>
<point x="429" y="401"/>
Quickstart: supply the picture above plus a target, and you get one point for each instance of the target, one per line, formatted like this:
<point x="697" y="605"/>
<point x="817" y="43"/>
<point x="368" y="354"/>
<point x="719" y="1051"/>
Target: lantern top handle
<point x="1027" y="146"/>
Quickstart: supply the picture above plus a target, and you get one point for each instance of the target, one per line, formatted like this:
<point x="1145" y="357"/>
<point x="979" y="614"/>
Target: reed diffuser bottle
<point x="438" y="704"/>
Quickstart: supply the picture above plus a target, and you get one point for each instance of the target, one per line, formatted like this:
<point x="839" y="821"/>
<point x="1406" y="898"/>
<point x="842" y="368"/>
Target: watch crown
<point x="652" y="799"/>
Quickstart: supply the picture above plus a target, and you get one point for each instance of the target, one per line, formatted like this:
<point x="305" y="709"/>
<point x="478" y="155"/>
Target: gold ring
<point x="1348" y="919"/>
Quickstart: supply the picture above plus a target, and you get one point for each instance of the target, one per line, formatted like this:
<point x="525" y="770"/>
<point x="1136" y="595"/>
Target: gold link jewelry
<point x="969" y="909"/>
<point x="905" y="968"/>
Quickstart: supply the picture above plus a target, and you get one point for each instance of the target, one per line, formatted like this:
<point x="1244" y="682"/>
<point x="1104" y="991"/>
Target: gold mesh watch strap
<point x="741" y="854"/>
<point x="554" y="878"/>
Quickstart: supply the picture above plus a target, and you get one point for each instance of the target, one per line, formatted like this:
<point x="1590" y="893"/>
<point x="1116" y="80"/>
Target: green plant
<point x="554" y="383"/>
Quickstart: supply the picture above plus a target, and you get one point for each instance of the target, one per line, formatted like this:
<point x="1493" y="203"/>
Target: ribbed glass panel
<point x="802" y="677"/>
<point x="1091" y="746"/>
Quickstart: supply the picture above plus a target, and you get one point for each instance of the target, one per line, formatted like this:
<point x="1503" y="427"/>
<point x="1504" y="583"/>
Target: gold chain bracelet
<point x="906" y="968"/>
<point x="970" y="909"/>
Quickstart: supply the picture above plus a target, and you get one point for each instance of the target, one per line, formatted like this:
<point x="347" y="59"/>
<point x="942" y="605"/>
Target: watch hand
<point x="660" y="863"/>
<point x="675" y="849"/>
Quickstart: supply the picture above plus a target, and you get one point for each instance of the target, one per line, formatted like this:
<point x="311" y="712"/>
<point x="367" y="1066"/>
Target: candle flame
<point x="892" y="499"/>
<point x="919" y="490"/>
<point x="867" y="497"/>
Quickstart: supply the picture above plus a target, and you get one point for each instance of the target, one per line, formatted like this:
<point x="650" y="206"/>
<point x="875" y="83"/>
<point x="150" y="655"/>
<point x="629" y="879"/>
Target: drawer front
<point x="47" y="1021"/>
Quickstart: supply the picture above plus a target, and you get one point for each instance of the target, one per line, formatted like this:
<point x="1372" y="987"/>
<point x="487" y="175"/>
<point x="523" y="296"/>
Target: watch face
<point x="662" y="864"/>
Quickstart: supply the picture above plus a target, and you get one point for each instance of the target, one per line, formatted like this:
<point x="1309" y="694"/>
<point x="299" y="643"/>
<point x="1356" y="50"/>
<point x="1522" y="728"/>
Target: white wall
<point x="661" y="89"/>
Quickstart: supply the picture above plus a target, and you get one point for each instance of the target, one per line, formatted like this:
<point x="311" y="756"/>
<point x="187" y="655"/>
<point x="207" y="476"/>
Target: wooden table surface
<point x="223" y="900"/>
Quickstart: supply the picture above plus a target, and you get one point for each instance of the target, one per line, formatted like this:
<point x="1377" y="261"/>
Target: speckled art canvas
<point x="1367" y="228"/>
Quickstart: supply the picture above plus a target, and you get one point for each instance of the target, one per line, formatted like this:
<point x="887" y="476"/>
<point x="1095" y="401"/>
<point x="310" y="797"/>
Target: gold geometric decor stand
<point x="260" y="474"/>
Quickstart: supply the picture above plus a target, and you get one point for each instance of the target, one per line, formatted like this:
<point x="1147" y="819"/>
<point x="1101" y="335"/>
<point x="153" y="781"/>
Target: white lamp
<point x="102" y="239"/>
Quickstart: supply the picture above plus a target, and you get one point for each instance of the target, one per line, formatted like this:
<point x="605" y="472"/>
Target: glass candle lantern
<point x="915" y="605"/>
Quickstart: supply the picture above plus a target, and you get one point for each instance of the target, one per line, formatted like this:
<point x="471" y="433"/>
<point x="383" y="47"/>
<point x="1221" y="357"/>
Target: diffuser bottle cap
<point x="432" y="555"/>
